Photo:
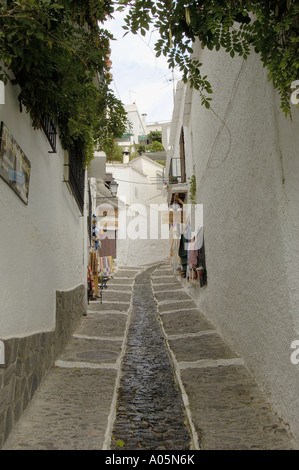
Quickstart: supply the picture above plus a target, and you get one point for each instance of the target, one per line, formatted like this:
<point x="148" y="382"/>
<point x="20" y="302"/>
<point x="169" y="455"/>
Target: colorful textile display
<point x="106" y="265"/>
<point x="175" y="260"/>
<point x="192" y="252"/>
<point x="187" y="254"/>
<point x="96" y="234"/>
<point x="183" y="254"/>
<point x="93" y="262"/>
<point x="90" y="279"/>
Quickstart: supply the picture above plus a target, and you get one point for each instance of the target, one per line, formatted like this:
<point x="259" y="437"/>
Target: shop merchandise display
<point x="99" y="266"/>
<point x="187" y="254"/>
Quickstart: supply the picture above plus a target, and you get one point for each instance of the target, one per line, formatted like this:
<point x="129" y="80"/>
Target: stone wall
<point x="28" y="359"/>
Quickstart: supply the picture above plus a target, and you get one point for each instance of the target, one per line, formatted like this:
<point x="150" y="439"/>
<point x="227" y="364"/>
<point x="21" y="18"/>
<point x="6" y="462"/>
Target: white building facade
<point x="141" y="238"/>
<point x="136" y="134"/>
<point x="243" y="155"/>
<point x="43" y="251"/>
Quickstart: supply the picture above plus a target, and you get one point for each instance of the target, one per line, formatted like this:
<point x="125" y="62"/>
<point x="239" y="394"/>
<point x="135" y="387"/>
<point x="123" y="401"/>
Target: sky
<point x="138" y="76"/>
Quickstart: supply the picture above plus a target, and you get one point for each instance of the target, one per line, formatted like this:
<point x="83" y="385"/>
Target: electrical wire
<point x="134" y="182"/>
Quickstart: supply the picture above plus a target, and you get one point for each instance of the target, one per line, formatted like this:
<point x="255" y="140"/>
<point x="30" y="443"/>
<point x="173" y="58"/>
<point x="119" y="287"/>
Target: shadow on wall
<point x="143" y="252"/>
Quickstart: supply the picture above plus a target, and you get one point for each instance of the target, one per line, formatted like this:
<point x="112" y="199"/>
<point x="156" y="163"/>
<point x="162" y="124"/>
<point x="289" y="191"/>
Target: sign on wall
<point x="14" y="165"/>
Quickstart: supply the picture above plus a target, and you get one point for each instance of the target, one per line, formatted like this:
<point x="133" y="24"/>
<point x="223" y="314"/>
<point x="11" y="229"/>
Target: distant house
<point x="164" y="128"/>
<point x="138" y="131"/>
<point x="136" y="134"/>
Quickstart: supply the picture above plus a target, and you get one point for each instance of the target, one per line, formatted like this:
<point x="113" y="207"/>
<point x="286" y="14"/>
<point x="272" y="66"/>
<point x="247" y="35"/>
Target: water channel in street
<point x="150" y="413"/>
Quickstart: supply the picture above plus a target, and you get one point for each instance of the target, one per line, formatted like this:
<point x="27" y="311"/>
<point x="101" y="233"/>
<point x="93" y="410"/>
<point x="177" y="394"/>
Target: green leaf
<point x="120" y="443"/>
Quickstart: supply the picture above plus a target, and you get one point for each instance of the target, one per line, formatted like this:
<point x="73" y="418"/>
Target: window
<point x="75" y="175"/>
<point x="177" y="169"/>
<point x="49" y="128"/>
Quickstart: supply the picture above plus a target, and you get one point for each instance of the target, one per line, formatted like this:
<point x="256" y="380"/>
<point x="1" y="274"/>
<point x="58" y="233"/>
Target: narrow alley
<point x="149" y="214"/>
<point x="146" y="371"/>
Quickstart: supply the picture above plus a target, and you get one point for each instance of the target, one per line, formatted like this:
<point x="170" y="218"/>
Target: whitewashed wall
<point x="125" y="175"/>
<point x="251" y="219"/>
<point x="138" y="127"/>
<point x="42" y="244"/>
<point x="136" y="246"/>
<point x="151" y="193"/>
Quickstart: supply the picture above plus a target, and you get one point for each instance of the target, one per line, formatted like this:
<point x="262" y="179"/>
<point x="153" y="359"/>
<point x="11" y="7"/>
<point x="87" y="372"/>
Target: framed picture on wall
<point x="14" y="165"/>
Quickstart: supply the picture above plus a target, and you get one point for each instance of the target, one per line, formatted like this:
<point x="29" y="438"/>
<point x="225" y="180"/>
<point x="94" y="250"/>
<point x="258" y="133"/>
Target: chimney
<point x="144" y="120"/>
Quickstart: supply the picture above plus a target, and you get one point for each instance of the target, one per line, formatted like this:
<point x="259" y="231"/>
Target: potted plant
<point x="173" y="179"/>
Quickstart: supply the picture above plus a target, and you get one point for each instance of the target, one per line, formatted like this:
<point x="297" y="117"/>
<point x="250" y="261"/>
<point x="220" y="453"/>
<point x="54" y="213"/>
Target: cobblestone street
<point x="146" y="370"/>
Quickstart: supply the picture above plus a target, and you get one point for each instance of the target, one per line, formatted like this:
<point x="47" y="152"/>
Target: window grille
<point x="89" y="218"/>
<point x="177" y="169"/>
<point x="75" y="176"/>
<point x="49" y="128"/>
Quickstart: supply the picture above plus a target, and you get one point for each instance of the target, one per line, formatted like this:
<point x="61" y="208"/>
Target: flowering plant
<point x="173" y="179"/>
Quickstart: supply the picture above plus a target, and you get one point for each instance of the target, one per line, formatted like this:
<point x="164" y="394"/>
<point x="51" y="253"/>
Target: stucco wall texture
<point x="244" y="153"/>
<point x="42" y="243"/>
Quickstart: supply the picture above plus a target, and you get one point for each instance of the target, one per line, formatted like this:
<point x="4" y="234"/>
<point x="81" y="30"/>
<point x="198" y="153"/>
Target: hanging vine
<point x="57" y="53"/>
<point x="192" y="186"/>
<point x="269" y="28"/>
